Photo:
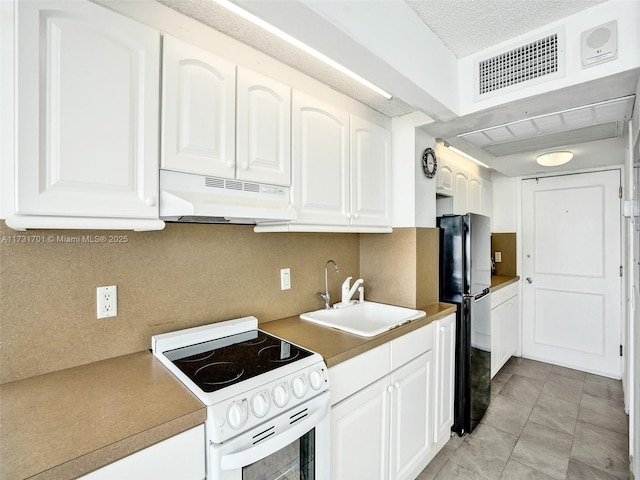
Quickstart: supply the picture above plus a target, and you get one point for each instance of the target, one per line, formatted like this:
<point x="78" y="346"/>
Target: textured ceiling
<point x="469" y="26"/>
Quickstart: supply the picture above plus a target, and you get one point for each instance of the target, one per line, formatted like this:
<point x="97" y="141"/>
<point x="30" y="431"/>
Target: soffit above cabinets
<point x="597" y="121"/>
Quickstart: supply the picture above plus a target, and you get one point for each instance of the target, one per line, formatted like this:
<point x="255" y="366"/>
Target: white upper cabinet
<point x="198" y="110"/>
<point x="320" y="161"/>
<point x="461" y="193"/>
<point x="88" y="119"/>
<point x="341" y="169"/>
<point x="444" y="180"/>
<point x="370" y="174"/>
<point x="461" y="189"/>
<point x="263" y="129"/>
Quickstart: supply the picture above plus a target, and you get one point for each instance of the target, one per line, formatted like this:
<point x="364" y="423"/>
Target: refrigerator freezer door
<point x="479" y="257"/>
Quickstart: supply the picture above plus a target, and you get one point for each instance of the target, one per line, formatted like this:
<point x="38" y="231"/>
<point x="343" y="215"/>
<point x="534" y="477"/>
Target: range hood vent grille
<point x="235" y="185"/>
<point x="528" y="62"/>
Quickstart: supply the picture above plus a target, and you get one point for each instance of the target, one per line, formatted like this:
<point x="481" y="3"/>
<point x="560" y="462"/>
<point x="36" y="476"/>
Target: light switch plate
<point x="285" y="278"/>
<point x="498" y="257"/>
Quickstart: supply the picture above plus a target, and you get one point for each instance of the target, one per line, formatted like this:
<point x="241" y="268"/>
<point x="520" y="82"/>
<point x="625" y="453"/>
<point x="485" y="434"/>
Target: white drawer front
<point x="409" y="346"/>
<point x="503" y="294"/>
<point x="356" y="373"/>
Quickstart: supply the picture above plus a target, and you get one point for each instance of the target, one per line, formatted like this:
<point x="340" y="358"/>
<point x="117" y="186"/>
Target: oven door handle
<point x="251" y="455"/>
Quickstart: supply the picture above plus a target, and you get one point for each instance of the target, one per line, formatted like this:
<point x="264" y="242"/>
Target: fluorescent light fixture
<point x="302" y="46"/>
<point x="460" y="152"/>
<point x="554" y="159"/>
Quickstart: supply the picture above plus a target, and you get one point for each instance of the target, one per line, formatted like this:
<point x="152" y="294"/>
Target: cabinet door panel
<point x="320" y="161"/>
<point x="198" y="105"/>
<point x="444" y="179"/>
<point x="181" y="456"/>
<point x="264" y="129"/>
<point x="445" y="375"/>
<point x="475" y="194"/>
<point x="87" y="129"/>
<point x="360" y="433"/>
<point x="370" y="173"/>
<point x="512" y="327"/>
<point x="461" y="195"/>
<point x="412" y="415"/>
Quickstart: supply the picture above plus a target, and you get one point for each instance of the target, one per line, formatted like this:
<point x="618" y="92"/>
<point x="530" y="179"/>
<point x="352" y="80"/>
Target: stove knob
<point x="280" y="395"/>
<point x="260" y="404"/>
<point x="237" y="413"/>
<point x="299" y="386"/>
<point x="316" y="379"/>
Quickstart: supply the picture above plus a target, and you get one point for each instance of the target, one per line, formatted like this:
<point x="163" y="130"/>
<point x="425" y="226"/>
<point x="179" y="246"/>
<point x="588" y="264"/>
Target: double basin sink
<point x="366" y="319"/>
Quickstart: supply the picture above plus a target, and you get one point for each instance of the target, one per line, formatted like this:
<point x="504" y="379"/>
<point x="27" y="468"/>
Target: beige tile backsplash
<point x="185" y="275"/>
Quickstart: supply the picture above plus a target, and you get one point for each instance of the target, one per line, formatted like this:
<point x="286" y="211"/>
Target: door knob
<point x="529" y="280"/>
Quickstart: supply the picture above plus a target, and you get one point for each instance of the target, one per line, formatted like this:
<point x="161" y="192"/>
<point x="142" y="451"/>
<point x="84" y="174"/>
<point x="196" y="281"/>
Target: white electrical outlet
<point x="285" y="278"/>
<point x="498" y="257"/>
<point x="107" y="301"/>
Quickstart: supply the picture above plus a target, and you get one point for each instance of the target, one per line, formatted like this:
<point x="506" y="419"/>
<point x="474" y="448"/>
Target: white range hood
<point x="186" y="197"/>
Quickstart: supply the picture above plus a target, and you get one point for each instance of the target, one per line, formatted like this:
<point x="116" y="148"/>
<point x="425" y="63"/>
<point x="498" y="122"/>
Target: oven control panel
<point x="232" y="416"/>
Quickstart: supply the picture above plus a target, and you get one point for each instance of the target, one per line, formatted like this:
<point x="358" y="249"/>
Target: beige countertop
<point x="68" y="423"/>
<point x="65" y="424"/>
<point x="337" y="346"/>
<point x="499" y="281"/>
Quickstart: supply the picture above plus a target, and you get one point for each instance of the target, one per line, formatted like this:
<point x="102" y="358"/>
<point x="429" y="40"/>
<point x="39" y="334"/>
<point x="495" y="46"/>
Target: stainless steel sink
<point x="366" y="319"/>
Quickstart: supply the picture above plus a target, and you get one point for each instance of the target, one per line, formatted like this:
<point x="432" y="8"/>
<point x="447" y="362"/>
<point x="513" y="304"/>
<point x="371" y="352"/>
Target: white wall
<point x="414" y="195"/>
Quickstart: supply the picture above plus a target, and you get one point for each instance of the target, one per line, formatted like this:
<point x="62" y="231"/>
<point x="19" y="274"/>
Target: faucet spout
<point x="325" y="295"/>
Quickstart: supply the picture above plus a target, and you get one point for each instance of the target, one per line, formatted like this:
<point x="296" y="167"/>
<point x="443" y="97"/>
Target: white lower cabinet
<point x="360" y="434"/>
<point x="505" y="306"/>
<point x="181" y="456"/>
<point x="444" y="376"/>
<point x="389" y="425"/>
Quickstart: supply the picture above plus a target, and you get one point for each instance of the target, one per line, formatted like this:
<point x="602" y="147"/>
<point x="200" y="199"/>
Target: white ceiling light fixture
<point x="301" y="45"/>
<point x="465" y="155"/>
<point x="554" y="159"/>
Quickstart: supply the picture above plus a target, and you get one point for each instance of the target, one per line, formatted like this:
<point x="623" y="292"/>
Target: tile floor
<point x="544" y="422"/>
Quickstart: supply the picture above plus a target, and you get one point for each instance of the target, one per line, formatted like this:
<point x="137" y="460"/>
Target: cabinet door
<point x="461" y="193"/>
<point x="181" y="456"/>
<point x="445" y="375"/>
<point x="320" y="161"/>
<point x="497" y="335"/>
<point x="360" y="434"/>
<point x="444" y="180"/>
<point x="263" y="112"/>
<point x="370" y="163"/>
<point x="198" y="110"/>
<point x="512" y="327"/>
<point x="88" y="101"/>
<point x="411" y="417"/>
<point x="475" y="195"/>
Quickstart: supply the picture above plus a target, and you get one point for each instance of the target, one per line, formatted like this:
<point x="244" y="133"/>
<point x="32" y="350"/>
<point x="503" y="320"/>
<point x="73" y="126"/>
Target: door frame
<point x="519" y="246"/>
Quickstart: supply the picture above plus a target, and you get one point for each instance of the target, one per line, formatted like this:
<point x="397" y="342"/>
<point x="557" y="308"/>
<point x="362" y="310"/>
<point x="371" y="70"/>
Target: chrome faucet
<point x="325" y="295"/>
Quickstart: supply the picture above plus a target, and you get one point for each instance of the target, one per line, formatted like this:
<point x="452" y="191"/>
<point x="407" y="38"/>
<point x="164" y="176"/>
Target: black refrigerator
<point x="465" y="280"/>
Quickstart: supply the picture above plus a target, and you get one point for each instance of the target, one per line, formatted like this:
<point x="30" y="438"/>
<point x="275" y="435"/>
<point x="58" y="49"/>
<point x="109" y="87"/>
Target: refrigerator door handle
<point x="481" y="295"/>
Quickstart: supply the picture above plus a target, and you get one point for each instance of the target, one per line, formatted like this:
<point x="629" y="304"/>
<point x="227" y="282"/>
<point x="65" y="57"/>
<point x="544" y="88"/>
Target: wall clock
<point x="429" y="162"/>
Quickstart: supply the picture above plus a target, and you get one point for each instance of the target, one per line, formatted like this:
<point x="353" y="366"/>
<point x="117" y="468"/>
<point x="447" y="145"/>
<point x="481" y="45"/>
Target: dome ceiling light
<point x="554" y="159"/>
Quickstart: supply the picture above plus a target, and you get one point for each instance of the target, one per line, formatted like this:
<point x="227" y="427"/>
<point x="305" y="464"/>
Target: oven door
<point x="293" y="445"/>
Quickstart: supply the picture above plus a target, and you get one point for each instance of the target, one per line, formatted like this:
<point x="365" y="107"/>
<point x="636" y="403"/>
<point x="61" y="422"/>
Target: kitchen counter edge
<point x="337" y="346"/>
<point x="68" y="423"/>
<point x="500" y="281"/>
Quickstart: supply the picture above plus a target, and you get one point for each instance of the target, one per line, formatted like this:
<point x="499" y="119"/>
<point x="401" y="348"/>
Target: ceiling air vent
<point x="540" y="60"/>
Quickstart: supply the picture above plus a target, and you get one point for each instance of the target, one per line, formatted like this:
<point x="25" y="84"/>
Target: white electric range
<point x="267" y="399"/>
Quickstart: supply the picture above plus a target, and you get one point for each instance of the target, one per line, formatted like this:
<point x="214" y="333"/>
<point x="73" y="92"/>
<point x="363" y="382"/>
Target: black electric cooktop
<point x="225" y="361"/>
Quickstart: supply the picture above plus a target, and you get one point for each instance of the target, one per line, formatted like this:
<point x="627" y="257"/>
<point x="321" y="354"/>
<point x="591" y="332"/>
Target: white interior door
<point x="571" y="265"/>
